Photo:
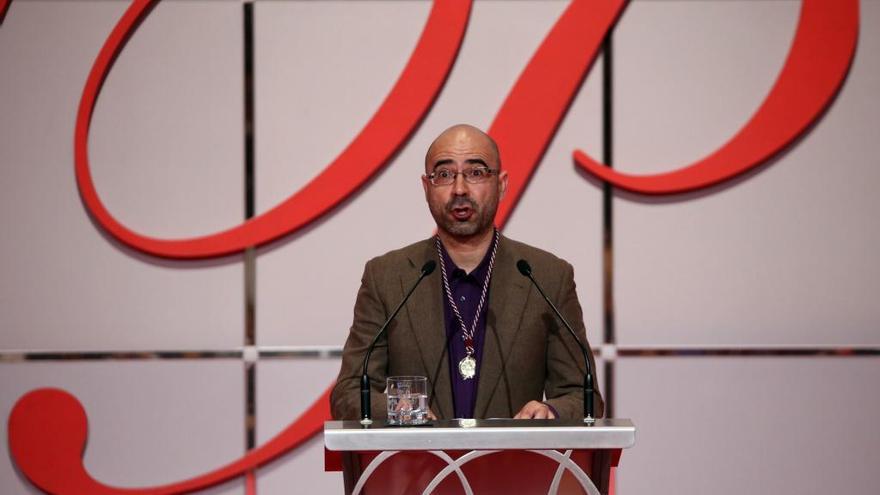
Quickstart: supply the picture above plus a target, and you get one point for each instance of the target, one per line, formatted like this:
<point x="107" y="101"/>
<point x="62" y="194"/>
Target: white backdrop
<point x="781" y="258"/>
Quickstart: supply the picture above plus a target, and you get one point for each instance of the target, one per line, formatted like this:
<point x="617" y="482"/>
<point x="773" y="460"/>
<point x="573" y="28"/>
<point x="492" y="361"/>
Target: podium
<point x="491" y="456"/>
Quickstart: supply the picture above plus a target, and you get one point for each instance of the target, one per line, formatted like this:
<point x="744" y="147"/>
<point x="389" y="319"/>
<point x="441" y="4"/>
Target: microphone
<point x="526" y="270"/>
<point x="366" y="418"/>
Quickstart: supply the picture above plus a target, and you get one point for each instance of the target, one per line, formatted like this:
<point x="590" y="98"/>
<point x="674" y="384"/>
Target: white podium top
<point x="487" y="434"/>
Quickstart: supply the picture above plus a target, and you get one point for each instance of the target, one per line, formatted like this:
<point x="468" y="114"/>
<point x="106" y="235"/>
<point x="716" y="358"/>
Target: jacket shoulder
<point x="537" y="257"/>
<point x="407" y="256"/>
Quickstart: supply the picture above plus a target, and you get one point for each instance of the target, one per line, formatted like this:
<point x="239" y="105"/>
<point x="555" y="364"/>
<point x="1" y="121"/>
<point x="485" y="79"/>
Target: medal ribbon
<point x="468" y="336"/>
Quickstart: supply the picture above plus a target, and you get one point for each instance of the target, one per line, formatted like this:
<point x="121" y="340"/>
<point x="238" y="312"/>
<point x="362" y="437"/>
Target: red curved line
<point x="391" y="125"/>
<point x="814" y="71"/>
<point x="538" y="101"/>
<point x="4" y="7"/>
<point x="47" y="435"/>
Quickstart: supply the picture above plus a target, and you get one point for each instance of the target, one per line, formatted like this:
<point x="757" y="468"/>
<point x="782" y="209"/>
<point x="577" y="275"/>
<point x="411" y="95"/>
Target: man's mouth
<point x="462" y="209"/>
<point x="462" y="213"/>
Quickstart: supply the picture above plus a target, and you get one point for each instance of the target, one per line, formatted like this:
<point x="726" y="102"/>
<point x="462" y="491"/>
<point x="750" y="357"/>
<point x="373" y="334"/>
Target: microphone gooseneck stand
<point x="526" y="270"/>
<point x="366" y="414"/>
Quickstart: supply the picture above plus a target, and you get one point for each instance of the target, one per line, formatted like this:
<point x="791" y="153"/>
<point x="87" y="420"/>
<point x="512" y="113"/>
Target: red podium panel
<point x="478" y="457"/>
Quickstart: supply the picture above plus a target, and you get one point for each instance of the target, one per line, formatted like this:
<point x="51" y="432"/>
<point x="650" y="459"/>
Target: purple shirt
<point x="466" y="289"/>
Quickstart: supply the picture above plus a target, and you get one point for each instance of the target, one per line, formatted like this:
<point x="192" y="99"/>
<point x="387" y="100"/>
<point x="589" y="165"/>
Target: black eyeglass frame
<point x="466" y="173"/>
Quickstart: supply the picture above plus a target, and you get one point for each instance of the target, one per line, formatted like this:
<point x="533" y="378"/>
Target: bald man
<point x="478" y="330"/>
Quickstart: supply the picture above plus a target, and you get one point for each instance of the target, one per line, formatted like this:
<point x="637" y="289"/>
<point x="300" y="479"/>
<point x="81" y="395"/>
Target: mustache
<point x="460" y="201"/>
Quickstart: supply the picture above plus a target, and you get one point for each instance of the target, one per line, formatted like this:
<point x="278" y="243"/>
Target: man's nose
<point x="460" y="186"/>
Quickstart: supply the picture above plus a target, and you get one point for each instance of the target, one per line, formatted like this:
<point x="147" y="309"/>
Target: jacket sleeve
<point x="369" y="314"/>
<point x="565" y="362"/>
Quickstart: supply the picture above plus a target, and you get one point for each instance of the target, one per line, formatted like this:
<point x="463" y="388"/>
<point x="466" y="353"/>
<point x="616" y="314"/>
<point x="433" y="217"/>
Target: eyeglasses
<point x="476" y="175"/>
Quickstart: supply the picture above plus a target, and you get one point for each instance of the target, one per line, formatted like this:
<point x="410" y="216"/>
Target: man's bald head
<point x="461" y="133"/>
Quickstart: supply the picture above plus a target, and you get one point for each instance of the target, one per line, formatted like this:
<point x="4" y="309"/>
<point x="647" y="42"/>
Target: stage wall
<point x="743" y="338"/>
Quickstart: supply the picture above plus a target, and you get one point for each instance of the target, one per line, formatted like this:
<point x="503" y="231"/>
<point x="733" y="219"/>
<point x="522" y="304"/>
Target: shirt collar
<point x="479" y="273"/>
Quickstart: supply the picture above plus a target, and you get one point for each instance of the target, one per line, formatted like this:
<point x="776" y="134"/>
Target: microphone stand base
<point x="368" y="422"/>
<point x="589" y="420"/>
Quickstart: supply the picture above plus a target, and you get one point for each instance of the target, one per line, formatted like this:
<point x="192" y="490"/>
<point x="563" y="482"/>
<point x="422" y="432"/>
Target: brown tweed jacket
<point x="528" y="353"/>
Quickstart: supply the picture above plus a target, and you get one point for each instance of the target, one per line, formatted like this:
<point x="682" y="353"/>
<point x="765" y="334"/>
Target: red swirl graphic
<point x="536" y="105"/>
<point x="817" y="64"/>
<point x="390" y="127"/>
<point x="813" y="73"/>
<point x="4" y="7"/>
<point x="47" y="438"/>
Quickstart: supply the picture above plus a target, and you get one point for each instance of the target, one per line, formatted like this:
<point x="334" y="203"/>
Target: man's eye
<point x="443" y="174"/>
<point x="478" y="172"/>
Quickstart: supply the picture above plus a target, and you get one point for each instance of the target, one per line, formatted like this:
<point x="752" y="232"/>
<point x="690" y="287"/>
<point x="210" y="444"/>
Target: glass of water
<point x="407" y="400"/>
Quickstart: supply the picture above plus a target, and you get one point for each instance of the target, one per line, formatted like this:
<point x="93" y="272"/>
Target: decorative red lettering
<point x="4" y="7"/>
<point x="47" y="438"/>
<point x="388" y="129"/>
<point x="814" y="71"/>
<point x="535" y="106"/>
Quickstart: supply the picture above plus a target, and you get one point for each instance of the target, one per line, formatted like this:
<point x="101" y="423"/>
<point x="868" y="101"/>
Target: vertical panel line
<point x="608" y="219"/>
<point x="608" y="384"/>
<point x="607" y="194"/>
<point x="250" y="267"/>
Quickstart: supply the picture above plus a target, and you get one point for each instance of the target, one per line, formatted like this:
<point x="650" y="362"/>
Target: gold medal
<point x="467" y="367"/>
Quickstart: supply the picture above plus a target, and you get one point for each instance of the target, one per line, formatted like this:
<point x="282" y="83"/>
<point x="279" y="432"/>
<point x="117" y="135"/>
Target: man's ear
<point x="502" y="183"/>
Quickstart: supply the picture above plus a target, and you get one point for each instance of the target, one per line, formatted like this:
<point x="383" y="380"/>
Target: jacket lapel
<point x="508" y="291"/>
<point x="425" y="312"/>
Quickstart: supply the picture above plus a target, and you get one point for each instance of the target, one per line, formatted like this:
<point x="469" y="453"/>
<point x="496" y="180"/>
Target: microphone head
<point x="524" y="267"/>
<point x="428" y="267"/>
